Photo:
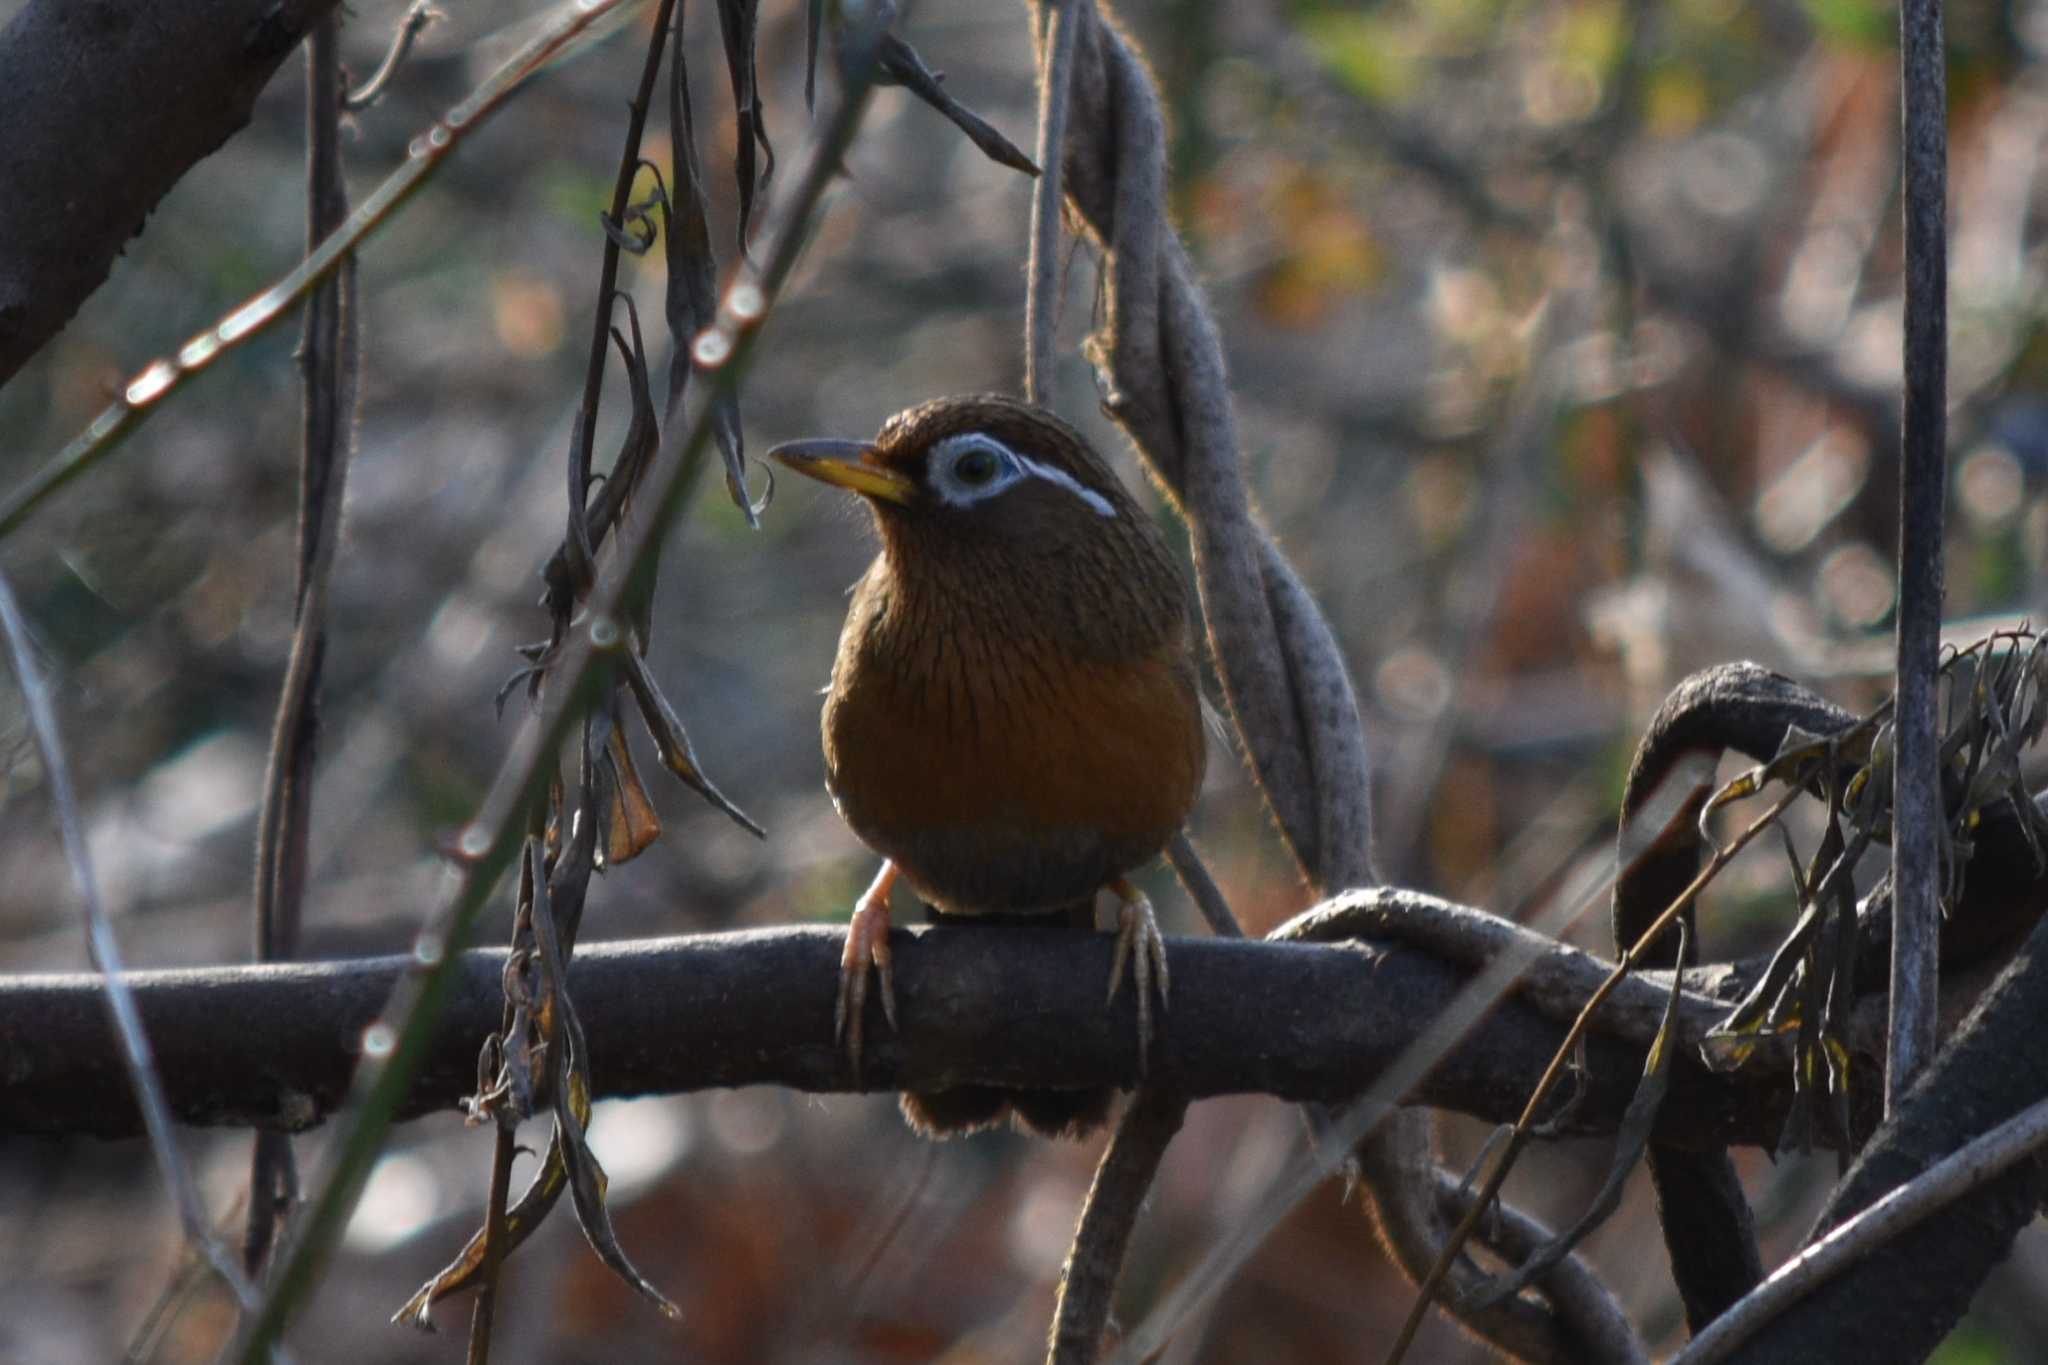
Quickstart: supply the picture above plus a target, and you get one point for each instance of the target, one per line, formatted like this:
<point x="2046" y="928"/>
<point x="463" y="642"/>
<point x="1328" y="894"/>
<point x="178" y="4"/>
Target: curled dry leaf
<point x="672" y="744"/>
<point x="739" y="24"/>
<point x="901" y="65"/>
<point x="692" y="300"/>
<point x="587" y="1180"/>
<point x="520" y="1221"/>
<point x="630" y="824"/>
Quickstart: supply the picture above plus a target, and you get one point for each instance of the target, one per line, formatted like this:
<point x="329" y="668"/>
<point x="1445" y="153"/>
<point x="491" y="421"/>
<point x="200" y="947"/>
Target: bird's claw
<point x="867" y="943"/>
<point x="1139" y="943"/>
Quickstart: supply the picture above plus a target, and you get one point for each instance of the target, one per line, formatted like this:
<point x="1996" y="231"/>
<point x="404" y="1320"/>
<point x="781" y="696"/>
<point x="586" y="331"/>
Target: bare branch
<point x="273" y="1045"/>
<point x="1201" y="887"/>
<point x="1923" y="485"/>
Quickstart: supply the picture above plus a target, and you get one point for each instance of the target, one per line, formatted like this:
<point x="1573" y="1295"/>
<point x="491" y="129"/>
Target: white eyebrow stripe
<point x="1101" y="505"/>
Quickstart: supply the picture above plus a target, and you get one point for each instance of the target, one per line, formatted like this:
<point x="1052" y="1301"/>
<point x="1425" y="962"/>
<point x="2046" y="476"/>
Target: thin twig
<point x="410" y="27"/>
<point x="608" y="269"/>
<point x="1940" y="1185"/>
<point x="481" y="1311"/>
<point x="1048" y="198"/>
<point x="169" y="1306"/>
<point x="328" y="360"/>
<point x="1917" y="821"/>
<point x="105" y="952"/>
<point x="1201" y="887"/>
<point x="883" y="1223"/>
<point x="507" y="1114"/>
<point x="393" y="1048"/>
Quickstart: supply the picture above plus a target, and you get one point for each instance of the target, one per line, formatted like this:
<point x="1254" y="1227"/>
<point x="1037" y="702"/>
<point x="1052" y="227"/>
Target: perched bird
<point x="1014" y="721"/>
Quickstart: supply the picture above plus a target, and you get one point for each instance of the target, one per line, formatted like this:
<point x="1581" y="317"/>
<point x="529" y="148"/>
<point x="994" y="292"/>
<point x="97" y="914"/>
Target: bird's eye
<point x="977" y="466"/>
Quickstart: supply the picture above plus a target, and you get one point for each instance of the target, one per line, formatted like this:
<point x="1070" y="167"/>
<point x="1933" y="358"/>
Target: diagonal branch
<point x="160" y="84"/>
<point x="132" y="1062"/>
<point x="1966" y="1169"/>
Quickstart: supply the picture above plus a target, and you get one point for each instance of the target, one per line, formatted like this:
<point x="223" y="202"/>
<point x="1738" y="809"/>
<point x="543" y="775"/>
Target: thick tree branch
<point x="274" y="1045"/>
<point x="106" y="105"/>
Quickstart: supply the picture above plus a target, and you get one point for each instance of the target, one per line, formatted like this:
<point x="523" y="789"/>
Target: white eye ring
<point x="945" y="473"/>
<point x="972" y="467"/>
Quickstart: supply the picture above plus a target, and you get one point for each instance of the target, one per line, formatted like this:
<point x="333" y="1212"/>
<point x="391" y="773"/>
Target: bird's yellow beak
<point x="846" y="464"/>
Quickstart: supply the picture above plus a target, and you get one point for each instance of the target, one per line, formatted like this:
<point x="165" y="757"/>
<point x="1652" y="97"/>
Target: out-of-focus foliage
<point x="1565" y="347"/>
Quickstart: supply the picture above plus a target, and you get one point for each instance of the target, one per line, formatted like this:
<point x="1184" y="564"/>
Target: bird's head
<point x="980" y="469"/>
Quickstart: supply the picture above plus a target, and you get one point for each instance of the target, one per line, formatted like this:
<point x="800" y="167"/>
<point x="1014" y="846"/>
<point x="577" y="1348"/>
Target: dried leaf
<point x="636" y="452"/>
<point x="572" y="568"/>
<point x="900" y="65"/>
<point x="692" y="300"/>
<point x="520" y="1221"/>
<point x="551" y="907"/>
<point x="570" y="870"/>
<point x="672" y="744"/>
<point x="1773" y="1005"/>
<point x="738" y="22"/>
<point x="587" y="1180"/>
<point x="1738" y="788"/>
<point x="2033" y="688"/>
<point x="630" y="824"/>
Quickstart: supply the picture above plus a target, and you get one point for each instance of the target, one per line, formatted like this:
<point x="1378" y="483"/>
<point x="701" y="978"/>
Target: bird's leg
<point x="867" y="940"/>
<point x="1138" y="941"/>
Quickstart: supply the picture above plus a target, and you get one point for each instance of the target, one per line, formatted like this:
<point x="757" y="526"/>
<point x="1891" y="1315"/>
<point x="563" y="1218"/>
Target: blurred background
<point x="1565" y="341"/>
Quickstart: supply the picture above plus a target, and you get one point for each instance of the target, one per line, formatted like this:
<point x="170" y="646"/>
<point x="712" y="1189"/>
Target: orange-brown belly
<point x="999" y="786"/>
